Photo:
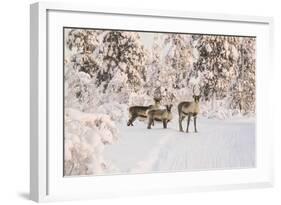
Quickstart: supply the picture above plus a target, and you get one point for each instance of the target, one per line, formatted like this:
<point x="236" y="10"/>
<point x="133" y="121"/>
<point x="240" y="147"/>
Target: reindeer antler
<point x="199" y="88"/>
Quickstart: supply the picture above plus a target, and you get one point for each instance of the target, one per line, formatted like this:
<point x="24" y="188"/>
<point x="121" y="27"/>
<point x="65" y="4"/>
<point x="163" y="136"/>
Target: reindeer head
<point x="196" y="95"/>
<point x="169" y="107"/>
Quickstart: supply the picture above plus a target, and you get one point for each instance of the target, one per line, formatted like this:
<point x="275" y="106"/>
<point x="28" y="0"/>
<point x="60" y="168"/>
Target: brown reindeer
<point x="137" y="111"/>
<point x="164" y="115"/>
<point x="141" y="111"/>
<point x="189" y="109"/>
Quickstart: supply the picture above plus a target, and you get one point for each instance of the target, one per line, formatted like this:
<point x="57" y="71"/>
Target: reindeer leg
<point x="164" y="124"/>
<point x="129" y="123"/>
<point x="195" y="128"/>
<point x="131" y="120"/>
<point x="180" y="122"/>
<point x="149" y="123"/>
<point x="188" y="121"/>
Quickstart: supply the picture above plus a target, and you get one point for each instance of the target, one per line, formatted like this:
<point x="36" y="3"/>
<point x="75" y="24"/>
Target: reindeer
<point x="164" y="115"/>
<point x="189" y="109"/>
<point x="141" y="111"/>
<point x="137" y="111"/>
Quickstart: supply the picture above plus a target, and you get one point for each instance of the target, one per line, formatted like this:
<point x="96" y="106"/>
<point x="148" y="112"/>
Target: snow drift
<point x="86" y="135"/>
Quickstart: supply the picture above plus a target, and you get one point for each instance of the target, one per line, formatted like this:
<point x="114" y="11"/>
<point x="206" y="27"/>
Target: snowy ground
<point x="219" y="144"/>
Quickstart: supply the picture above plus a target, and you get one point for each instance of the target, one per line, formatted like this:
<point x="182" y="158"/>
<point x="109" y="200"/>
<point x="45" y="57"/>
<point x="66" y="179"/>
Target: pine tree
<point x="179" y="58"/>
<point x="154" y="65"/>
<point x="81" y="64"/>
<point x="122" y="52"/>
<point x="243" y="89"/>
<point x="217" y="63"/>
<point x="80" y="90"/>
<point x="84" y="46"/>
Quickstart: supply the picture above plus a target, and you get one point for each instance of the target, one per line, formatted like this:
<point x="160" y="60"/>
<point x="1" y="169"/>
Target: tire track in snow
<point x="218" y="145"/>
<point x="147" y="164"/>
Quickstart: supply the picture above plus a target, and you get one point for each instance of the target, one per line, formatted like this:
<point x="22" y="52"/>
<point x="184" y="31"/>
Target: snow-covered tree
<point x="80" y="90"/>
<point x="154" y="64"/>
<point x="157" y="75"/>
<point x="226" y="65"/>
<point x="243" y="89"/>
<point x="83" y="46"/>
<point x="112" y="60"/>
<point x="217" y="64"/>
<point x="123" y="55"/>
<point x="171" y="60"/>
<point x="86" y="135"/>
<point x="179" y="58"/>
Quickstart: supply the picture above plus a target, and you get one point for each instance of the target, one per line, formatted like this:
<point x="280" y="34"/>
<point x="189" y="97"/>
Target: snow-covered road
<point x="219" y="144"/>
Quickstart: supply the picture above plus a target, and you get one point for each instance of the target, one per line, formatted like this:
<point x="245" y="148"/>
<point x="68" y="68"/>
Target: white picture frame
<point x="46" y="179"/>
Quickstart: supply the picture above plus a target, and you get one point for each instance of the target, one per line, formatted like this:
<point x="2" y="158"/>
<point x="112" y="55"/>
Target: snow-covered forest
<point x="106" y="72"/>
